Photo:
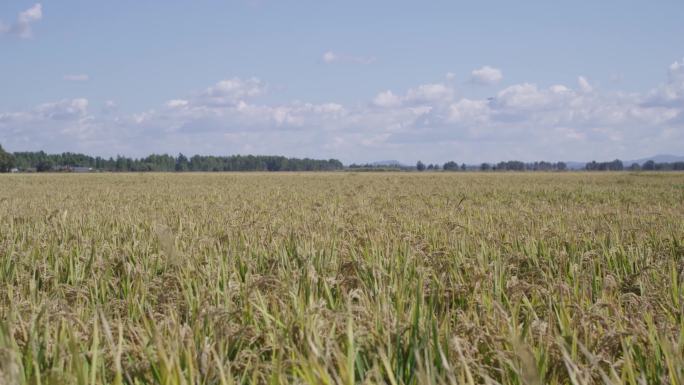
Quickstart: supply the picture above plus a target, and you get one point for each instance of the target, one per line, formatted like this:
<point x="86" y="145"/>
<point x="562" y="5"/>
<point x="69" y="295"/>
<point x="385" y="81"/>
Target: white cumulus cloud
<point x="64" y="109"/>
<point x="486" y="75"/>
<point x="230" y="91"/>
<point x="22" y="26"/>
<point x="177" y="103"/>
<point x="430" y="93"/>
<point x="584" y="84"/>
<point x="424" y="94"/>
<point x="671" y="93"/>
<point x="387" y="99"/>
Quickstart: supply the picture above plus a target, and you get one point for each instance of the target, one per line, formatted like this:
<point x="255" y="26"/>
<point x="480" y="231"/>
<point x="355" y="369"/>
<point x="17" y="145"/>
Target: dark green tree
<point x="649" y="165"/>
<point x="450" y="166"/>
<point x="181" y="163"/>
<point x="44" y="165"/>
<point x="6" y="160"/>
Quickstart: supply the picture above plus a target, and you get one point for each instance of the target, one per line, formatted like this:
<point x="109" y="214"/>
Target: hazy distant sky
<point x="354" y="80"/>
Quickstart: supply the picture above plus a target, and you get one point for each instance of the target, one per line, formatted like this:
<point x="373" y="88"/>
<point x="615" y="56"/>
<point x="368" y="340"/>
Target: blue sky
<point x="356" y="80"/>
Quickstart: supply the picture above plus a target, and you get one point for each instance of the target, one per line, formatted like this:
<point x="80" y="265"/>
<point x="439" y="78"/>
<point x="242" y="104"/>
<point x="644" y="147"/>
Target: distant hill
<point x="576" y="165"/>
<point x="662" y="158"/>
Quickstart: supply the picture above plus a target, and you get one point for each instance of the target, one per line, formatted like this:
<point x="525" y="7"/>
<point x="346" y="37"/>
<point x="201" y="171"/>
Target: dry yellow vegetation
<point x="342" y="278"/>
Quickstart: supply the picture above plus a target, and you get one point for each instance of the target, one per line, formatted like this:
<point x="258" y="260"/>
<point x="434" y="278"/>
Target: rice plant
<point x="342" y="278"/>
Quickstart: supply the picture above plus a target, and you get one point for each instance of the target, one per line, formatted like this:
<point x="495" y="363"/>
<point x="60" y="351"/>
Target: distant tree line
<point x="420" y="166"/>
<point x="41" y="162"/>
<point x="657" y="166"/>
<point x="615" y="165"/>
<point x="515" y="165"/>
<point x="511" y="165"/>
<point x="649" y="165"/>
<point x="377" y="167"/>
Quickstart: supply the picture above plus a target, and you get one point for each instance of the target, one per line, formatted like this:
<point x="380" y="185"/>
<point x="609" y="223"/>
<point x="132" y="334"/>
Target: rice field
<point x="342" y="278"/>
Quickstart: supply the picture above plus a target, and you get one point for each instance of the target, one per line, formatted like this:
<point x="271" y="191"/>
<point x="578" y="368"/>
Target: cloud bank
<point x="433" y="122"/>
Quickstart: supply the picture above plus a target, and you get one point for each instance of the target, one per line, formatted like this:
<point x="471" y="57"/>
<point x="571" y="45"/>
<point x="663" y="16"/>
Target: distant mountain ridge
<point x="661" y="158"/>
